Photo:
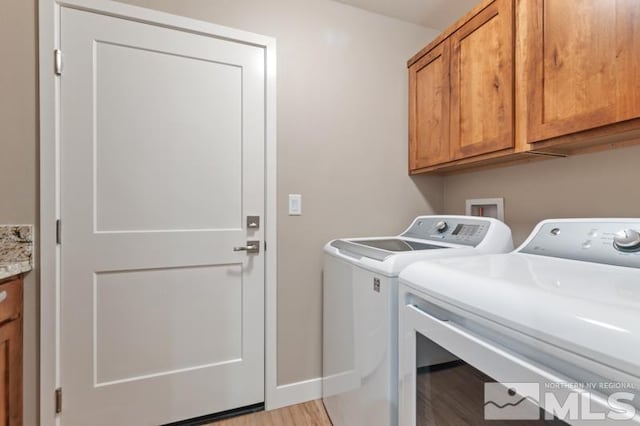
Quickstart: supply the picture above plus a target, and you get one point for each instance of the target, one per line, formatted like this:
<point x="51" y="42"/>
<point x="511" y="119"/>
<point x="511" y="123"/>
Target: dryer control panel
<point x="608" y="241"/>
<point x="450" y="229"/>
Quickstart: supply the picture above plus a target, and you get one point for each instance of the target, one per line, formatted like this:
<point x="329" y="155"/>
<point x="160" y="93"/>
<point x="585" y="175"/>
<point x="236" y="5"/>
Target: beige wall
<point x="591" y="185"/>
<point x="342" y="132"/>
<point x="18" y="159"/>
<point x="341" y="144"/>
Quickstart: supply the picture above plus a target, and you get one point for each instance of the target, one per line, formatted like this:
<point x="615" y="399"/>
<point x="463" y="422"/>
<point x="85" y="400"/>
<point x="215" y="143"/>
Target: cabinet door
<point x="482" y="88"/>
<point x="11" y="373"/>
<point x="429" y="109"/>
<point x="583" y="65"/>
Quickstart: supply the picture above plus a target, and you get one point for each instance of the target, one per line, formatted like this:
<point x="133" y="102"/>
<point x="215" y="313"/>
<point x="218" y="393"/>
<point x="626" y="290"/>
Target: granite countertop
<point x="16" y="250"/>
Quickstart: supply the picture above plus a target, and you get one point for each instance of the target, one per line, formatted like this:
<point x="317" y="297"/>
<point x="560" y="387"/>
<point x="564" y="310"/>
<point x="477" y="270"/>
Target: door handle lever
<point x="251" y="247"/>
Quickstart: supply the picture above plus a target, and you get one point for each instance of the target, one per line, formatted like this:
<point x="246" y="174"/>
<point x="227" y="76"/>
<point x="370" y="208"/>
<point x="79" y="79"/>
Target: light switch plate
<point x="295" y="204"/>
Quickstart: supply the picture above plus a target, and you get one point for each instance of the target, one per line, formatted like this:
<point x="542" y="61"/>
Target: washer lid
<point x="382" y="248"/>
<point x="590" y="309"/>
<point x="398" y="245"/>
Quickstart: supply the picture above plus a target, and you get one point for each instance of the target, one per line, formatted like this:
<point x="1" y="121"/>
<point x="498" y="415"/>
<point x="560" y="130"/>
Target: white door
<point x="162" y="160"/>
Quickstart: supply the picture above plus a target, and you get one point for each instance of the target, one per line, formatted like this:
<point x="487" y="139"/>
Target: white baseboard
<point x="295" y="393"/>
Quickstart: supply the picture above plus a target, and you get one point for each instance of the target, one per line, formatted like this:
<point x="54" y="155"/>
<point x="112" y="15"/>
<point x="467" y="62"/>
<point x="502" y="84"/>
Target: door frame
<point x="49" y="135"/>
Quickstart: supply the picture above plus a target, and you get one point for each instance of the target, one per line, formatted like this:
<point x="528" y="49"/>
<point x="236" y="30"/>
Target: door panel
<point x="162" y="157"/>
<point x="429" y="109"/>
<point x="187" y="138"/>
<point x="482" y="79"/>
<point x="584" y="70"/>
<point x="166" y="306"/>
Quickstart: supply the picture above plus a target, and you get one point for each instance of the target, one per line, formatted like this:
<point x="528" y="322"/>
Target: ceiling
<point x="438" y="14"/>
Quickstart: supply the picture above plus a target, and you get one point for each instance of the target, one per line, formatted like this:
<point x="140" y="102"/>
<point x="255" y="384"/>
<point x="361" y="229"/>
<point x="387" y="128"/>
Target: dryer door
<point x="487" y="381"/>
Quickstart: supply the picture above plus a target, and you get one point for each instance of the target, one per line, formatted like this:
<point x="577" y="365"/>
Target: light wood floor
<point x="308" y="414"/>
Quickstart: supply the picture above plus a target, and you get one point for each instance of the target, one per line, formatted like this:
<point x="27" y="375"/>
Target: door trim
<point x="49" y="114"/>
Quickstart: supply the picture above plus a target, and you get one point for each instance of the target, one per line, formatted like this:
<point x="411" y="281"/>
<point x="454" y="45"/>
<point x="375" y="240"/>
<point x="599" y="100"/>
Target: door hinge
<point x="57" y="61"/>
<point x="58" y="231"/>
<point x="58" y="400"/>
<point x="265" y="245"/>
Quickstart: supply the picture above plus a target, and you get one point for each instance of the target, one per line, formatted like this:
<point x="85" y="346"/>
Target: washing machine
<point x="360" y="291"/>
<point x="547" y="334"/>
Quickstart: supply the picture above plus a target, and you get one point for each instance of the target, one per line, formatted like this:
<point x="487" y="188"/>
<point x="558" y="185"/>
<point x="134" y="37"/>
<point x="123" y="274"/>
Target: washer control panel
<point x="456" y="230"/>
<point x="601" y="241"/>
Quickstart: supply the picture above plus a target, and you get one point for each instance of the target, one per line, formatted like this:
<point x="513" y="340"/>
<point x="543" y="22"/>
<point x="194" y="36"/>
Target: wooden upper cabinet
<point x="526" y="79"/>
<point x="583" y="65"/>
<point x="461" y="90"/>
<point x="429" y="108"/>
<point x="482" y="80"/>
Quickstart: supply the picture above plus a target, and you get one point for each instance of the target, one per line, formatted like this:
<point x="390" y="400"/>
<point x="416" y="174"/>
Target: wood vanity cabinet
<point x="11" y="352"/>
<point x="518" y="80"/>
<point x="461" y="90"/>
<point x="582" y="65"/>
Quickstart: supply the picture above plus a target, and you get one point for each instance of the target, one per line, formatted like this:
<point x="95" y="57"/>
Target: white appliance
<point x="561" y="313"/>
<point x="360" y="309"/>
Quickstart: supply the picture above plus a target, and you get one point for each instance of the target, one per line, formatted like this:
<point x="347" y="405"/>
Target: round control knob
<point x="627" y="240"/>
<point x="442" y="226"/>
